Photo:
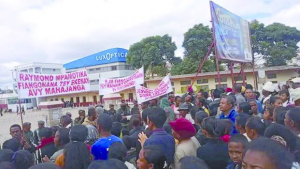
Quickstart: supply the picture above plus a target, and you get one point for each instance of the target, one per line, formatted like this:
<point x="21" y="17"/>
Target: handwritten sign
<point x="108" y="86"/>
<point x="144" y="94"/>
<point x="41" y="85"/>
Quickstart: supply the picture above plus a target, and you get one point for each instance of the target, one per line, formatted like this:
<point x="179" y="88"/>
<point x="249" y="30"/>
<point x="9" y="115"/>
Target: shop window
<point x="185" y="82"/>
<point x="201" y="81"/>
<point x="204" y="88"/>
<point x="114" y="68"/>
<point x="172" y="83"/>
<point x="239" y="78"/>
<point x="222" y="79"/>
<point x="224" y="86"/>
<point x="271" y="76"/>
<point x="84" y="99"/>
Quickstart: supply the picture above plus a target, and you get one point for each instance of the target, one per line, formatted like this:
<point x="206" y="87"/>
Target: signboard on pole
<point x="42" y="85"/>
<point x="144" y="94"/>
<point x="232" y="36"/>
<point x="108" y="86"/>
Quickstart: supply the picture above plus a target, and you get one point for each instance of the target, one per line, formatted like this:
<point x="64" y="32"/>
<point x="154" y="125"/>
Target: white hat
<point x="296" y="80"/>
<point x="269" y="87"/>
<point x="295" y="94"/>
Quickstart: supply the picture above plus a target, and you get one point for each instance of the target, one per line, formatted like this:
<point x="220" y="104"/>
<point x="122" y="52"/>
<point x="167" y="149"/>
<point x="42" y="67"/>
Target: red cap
<point x="183" y="127"/>
<point x="228" y="89"/>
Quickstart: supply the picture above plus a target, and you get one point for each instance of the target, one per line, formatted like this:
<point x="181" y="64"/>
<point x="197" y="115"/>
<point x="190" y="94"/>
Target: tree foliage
<point x="197" y="41"/>
<point x="152" y="51"/>
<point x="276" y="43"/>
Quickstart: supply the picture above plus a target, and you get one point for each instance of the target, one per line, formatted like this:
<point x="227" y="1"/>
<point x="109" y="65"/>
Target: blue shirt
<point x="259" y="107"/>
<point x="163" y="140"/>
<point x="231" y="116"/>
<point x="100" y="147"/>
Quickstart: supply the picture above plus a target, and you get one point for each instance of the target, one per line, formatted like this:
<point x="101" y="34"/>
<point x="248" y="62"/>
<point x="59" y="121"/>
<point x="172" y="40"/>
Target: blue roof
<point x="107" y="56"/>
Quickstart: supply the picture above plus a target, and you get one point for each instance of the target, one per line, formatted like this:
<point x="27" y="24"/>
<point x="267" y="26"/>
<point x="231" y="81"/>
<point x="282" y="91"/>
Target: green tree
<point x="152" y="51"/>
<point x="276" y="43"/>
<point x="197" y="41"/>
<point x="189" y="65"/>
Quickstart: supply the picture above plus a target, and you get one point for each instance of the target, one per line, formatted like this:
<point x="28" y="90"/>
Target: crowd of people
<point x="225" y="129"/>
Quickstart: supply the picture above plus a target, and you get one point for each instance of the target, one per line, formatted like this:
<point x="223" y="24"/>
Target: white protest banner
<point x="41" y="85"/>
<point x="108" y="86"/>
<point x="144" y="94"/>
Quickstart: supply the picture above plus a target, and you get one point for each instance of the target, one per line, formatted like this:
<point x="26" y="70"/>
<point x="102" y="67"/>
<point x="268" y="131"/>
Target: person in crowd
<point x="45" y="166"/>
<point x="240" y="124"/>
<point x="135" y="109"/>
<point x="188" y="101"/>
<point x="249" y="94"/>
<point x="191" y="162"/>
<point x="159" y="138"/>
<point x="200" y="104"/>
<point x="91" y="118"/>
<point x="214" y="105"/>
<point x="16" y="132"/>
<point x="70" y="115"/>
<point x="198" y="120"/>
<point x="165" y="105"/>
<point x="22" y="159"/>
<point x="268" y="90"/>
<point x="80" y="118"/>
<point x="29" y="136"/>
<point x="260" y="154"/>
<point x="7" y="165"/>
<point x="255" y="128"/>
<point x="275" y="101"/>
<point x="236" y="148"/>
<point x="99" y="148"/>
<point x="285" y="137"/>
<point x="254" y="108"/>
<point x="225" y="129"/>
<point x="76" y="153"/>
<point x="12" y="144"/>
<point x="123" y="111"/>
<point x="37" y="139"/>
<point x="279" y="114"/>
<point x="228" y="91"/>
<point x="151" y="156"/>
<point x="61" y="139"/>
<point x="249" y="86"/>
<point x="65" y="121"/>
<point x="184" y="132"/>
<point x="99" y="110"/>
<point x="190" y="92"/>
<point x="136" y="127"/>
<point x="144" y="106"/>
<point x="153" y="103"/>
<point x="285" y="97"/>
<point x="110" y="163"/>
<point x="215" y="151"/>
<point x="268" y="114"/>
<point x="176" y="106"/>
<point x="117" y="150"/>
<point x="244" y="108"/>
<point x="116" y="129"/>
<point x="184" y="112"/>
<point x="238" y="94"/>
<point x="47" y="145"/>
<point x="227" y="110"/>
<point x="199" y="95"/>
<point x="6" y="155"/>
<point x="111" y="110"/>
<point x="171" y="99"/>
<point x="292" y="120"/>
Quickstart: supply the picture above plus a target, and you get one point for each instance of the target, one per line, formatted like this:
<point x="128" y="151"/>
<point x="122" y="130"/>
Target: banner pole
<point x="243" y="72"/>
<point x="231" y="73"/>
<point x="214" y="41"/>
<point x="254" y="78"/>
<point x="203" y="61"/>
<point x="21" y="113"/>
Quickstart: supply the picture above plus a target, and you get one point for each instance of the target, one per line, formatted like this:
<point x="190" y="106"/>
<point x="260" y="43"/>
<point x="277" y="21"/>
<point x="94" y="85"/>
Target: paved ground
<point x="9" y="119"/>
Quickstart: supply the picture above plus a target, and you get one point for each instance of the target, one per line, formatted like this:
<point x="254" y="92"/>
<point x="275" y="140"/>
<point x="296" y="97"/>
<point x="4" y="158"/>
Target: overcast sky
<point x="59" y="31"/>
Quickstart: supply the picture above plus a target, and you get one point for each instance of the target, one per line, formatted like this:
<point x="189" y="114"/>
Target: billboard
<point x="232" y="36"/>
<point x="42" y="85"/>
<point x="107" y="56"/>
